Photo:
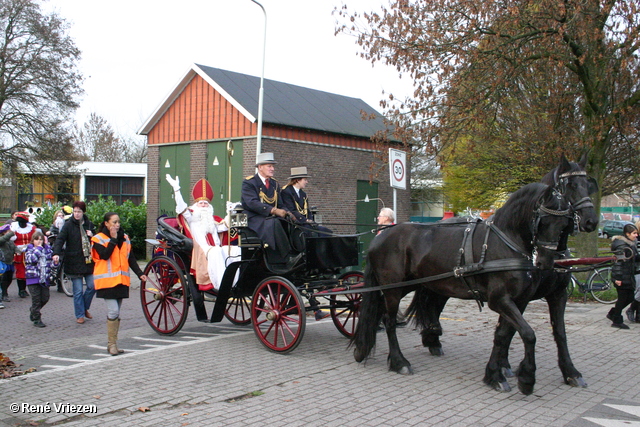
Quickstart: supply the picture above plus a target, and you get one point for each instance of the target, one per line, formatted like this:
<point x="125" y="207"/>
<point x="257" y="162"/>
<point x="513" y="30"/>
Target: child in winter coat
<point x="7" y="250"/>
<point x="37" y="258"/>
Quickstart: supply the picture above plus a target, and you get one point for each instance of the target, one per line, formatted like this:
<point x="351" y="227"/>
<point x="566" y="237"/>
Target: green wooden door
<point x="366" y="213"/>
<point x="218" y="174"/>
<point x="175" y="160"/>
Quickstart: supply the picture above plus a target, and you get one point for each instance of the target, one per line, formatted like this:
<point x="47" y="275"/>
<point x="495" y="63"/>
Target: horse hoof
<point x="577" y="382"/>
<point x="436" y="351"/>
<point x="359" y="356"/>
<point x="502" y="387"/>
<point x="508" y="373"/>
<point x="525" y="389"/>
<point x="405" y="370"/>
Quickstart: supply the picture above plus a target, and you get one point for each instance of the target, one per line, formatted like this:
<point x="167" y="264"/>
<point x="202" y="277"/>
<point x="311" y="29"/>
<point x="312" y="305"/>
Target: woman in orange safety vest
<point x="111" y="252"/>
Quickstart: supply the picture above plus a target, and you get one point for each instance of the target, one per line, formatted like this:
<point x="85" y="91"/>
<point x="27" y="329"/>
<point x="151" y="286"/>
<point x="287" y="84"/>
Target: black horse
<point x="495" y="261"/>
<point x="570" y="180"/>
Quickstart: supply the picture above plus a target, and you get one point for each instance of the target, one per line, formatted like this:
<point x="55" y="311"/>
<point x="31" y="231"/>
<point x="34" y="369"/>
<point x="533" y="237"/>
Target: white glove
<point x="174" y="183"/>
<point x="181" y="206"/>
<point x="231" y="206"/>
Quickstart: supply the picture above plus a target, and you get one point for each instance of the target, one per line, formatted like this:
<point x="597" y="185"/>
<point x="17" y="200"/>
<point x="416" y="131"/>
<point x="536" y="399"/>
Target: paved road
<point x="219" y="374"/>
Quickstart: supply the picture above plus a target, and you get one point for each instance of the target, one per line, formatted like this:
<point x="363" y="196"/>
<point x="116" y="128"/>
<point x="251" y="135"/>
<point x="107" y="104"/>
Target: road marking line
<point x="130" y="353"/>
<point x="101" y="347"/>
<point x="629" y="409"/>
<point x="605" y="422"/>
<point x="156" y="339"/>
<point x="62" y="359"/>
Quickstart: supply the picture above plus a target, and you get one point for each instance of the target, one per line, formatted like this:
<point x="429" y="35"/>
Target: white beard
<point x="204" y="218"/>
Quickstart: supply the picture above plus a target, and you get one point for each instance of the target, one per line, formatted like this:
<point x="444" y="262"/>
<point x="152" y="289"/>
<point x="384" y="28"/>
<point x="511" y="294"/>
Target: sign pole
<point x="397" y="174"/>
<point x="395" y="203"/>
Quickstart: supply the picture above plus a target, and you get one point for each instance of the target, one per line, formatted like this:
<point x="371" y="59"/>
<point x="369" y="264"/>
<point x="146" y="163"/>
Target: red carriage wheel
<point x="239" y="310"/>
<point x="278" y="314"/>
<point x="346" y="308"/>
<point x="164" y="296"/>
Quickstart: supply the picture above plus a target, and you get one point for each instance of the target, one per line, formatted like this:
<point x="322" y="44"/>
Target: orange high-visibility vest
<point x="115" y="270"/>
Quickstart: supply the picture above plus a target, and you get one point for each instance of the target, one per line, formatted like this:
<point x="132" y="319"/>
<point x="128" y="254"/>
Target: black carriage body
<point x="314" y="276"/>
<point x="331" y="252"/>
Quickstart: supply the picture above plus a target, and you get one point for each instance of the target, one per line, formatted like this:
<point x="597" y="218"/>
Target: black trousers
<point x="7" y="277"/>
<point x="625" y="297"/>
<point x="39" y="298"/>
<point x="283" y="247"/>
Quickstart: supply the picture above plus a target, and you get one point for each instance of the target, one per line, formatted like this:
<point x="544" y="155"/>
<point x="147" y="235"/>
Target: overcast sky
<point x="134" y="52"/>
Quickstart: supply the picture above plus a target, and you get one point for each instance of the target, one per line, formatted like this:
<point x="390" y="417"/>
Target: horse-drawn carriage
<point x="254" y="291"/>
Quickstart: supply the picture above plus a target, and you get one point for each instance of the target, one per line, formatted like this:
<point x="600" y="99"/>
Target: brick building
<point x="211" y="110"/>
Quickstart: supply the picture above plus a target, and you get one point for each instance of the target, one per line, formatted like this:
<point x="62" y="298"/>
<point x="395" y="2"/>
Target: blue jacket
<point x="258" y="206"/>
<point x="297" y="205"/>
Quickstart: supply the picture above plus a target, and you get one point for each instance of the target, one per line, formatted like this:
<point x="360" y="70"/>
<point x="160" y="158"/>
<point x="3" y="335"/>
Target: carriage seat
<point x="170" y="230"/>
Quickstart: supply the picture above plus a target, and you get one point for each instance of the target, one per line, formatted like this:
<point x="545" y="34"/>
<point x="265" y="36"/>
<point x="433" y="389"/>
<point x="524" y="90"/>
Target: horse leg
<point x="557" y="302"/>
<point x="364" y="338"/>
<point x="433" y="329"/>
<point x="510" y="312"/>
<point x="498" y="368"/>
<point x="396" y="360"/>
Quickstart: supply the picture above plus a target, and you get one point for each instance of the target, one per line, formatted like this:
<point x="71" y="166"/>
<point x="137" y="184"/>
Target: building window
<point x="120" y="189"/>
<point x="40" y="190"/>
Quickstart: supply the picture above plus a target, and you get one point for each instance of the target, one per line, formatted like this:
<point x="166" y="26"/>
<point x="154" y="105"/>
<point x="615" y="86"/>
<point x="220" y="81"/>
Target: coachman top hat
<point x="264" y="158"/>
<point x="202" y="191"/>
<point x="300" y="172"/>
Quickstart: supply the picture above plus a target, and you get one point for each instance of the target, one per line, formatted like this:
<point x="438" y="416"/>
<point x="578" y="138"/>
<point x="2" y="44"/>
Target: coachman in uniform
<point x="296" y="201"/>
<point x="263" y="205"/>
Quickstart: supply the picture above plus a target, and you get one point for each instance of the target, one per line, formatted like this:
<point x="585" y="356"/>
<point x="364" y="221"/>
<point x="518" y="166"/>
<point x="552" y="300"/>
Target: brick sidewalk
<point x="16" y="330"/>
<point x="221" y="375"/>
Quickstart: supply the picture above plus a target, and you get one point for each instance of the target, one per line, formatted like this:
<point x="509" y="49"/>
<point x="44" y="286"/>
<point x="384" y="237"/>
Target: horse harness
<point x="466" y="268"/>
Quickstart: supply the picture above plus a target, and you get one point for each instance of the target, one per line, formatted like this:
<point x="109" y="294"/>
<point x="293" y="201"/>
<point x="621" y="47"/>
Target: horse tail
<point x="418" y="308"/>
<point x="371" y="311"/>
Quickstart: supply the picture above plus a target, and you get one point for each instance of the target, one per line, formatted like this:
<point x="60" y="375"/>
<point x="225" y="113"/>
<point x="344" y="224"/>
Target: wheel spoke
<point x="277" y="314"/>
<point x="164" y="296"/>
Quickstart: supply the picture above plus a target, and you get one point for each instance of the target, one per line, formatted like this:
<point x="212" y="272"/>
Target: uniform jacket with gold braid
<point x="257" y="202"/>
<point x="297" y="205"/>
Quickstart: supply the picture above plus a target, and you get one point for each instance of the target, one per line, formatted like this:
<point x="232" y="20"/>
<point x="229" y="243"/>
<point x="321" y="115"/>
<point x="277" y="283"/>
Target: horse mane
<point x="519" y="209"/>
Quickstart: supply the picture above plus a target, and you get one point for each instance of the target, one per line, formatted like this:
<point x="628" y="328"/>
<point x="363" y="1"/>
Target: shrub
<point x="133" y="219"/>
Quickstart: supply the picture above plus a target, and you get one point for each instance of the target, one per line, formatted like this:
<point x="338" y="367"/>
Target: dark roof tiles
<point x="296" y="106"/>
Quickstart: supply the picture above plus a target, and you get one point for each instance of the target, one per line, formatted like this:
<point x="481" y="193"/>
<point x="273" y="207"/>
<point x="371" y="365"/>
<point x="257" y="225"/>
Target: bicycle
<point x="599" y="285"/>
<point x="59" y="276"/>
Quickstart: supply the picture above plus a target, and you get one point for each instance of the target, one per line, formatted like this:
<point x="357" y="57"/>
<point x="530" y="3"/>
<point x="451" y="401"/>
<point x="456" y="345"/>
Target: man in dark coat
<point x="263" y="205"/>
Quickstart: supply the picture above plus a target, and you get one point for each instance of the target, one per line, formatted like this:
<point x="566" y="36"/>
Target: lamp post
<point x="261" y="93"/>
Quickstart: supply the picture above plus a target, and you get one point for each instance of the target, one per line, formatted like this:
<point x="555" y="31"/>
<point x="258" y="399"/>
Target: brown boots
<point x="112" y="337"/>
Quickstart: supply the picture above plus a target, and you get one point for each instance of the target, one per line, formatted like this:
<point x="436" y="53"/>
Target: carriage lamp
<point x="239" y="220"/>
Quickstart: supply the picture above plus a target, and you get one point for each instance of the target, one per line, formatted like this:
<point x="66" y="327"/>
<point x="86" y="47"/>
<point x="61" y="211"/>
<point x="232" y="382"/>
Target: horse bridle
<point x="541" y="212"/>
<point x="561" y="182"/>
